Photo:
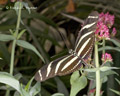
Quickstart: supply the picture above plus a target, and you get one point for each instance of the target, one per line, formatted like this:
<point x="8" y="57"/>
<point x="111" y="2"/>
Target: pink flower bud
<point x="113" y="32"/>
<point x="106" y="57"/>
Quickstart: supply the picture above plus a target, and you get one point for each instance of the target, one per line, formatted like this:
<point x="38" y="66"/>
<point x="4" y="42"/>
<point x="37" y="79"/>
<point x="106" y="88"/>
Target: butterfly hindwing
<point x="70" y="63"/>
<point x="46" y="72"/>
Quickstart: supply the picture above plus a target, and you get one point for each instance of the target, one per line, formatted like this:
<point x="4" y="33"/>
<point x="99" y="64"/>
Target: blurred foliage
<point x="42" y="26"/>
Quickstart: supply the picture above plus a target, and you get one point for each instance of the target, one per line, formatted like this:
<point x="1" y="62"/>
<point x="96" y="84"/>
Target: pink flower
<point x="106" y="57"/>
<point x="107" y="19"/>
<point x="104" y="23"/>
<point x="114" y="32"/>
<point x="102" y="31"/>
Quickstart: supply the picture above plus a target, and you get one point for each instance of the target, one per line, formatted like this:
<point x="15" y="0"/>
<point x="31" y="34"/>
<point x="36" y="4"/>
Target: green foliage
<point x="27" y="45"/>
<point x="61" y="87"/>
<point x="58" y="94"/>
<point x="8" y="79"/>
<point x="115" y="41"/>
<point x="17" y="7"/>
<point x="4" y="37"/>
<point x="116" y="92"/>
<point x="77" y="83"/>
<point x="35" y="89"/>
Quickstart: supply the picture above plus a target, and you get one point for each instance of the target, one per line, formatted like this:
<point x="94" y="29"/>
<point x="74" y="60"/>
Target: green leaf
<point x="11" y="31"/>
<point x="91" y="69"/>
<point x="116" y="92"/>
<point x="77" y="83"/>
<point x="4" y="37"/>
<point x="29" y="46"/>
<point x="106" y="68"/>
<point x="6" y="78"/>
<point x="21" y="33"/>
<point x="26" y="6"/>
<point x="58" y="94"/>
<point x="105" y="79"/>
<point x="35" y="89"/>
<point x="16" y="94"/>
<point x="23" y="92"/>
<point x="109" y="48"/>
<point x="115" y="42"/>
<point x="18" y="76"/>
<point x="61" y="87"/>
<point x="4" y="52"/>
<point x="91" y="75"/>
<point x="27" y="87"/>
<point x="17" y="6"/>
<point x="117" y="81"/>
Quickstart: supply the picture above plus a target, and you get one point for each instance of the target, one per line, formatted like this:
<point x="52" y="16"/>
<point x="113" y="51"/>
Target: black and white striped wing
<point x="71" y="63"/>
<point x="61" y="66"/>
<point x="86" y="36"/>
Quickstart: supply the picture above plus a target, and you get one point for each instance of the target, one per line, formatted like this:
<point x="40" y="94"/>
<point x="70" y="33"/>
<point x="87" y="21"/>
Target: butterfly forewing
<point x="86" y="36"/>
<point x="71" y="62"/>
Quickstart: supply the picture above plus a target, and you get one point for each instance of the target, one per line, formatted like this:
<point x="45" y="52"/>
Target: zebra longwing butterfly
<point x="73" y="61"/>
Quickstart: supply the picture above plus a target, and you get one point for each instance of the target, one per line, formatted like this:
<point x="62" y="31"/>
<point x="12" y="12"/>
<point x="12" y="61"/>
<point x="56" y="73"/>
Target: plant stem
<point x="12" y="57"/>
<point x="103" y="52"/>
<point x="98" y="84"/>
<point x="13" y="47"/>
<point x="14" y="42"/>
<point x="18" y="20"/>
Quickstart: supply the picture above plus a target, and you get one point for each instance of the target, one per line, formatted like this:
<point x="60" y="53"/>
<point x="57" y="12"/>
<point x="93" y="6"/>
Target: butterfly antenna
<point x="65" y="40"/>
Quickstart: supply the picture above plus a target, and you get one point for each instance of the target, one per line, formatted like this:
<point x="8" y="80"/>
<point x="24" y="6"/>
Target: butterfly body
<point x="73" y="61"/>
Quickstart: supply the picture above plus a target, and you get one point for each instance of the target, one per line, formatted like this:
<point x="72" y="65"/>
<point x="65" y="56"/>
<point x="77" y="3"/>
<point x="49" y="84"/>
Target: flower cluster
<point x="106" y="57"/>
<point x="107" y="19"/>
<point x="105" y="22"/>
<point x="102" y="31"/>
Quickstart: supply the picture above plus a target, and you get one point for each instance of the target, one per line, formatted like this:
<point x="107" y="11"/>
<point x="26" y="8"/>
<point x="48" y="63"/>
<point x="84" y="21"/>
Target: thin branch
<point x="101" y="6"/>
<point x="73" y="18"/>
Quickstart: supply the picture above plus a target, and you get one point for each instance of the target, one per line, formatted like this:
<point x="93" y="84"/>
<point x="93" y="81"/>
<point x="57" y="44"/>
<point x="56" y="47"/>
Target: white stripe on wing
<point x="59" y="63"/>
<point x="88" y="26"/>
<point x="69" y="63"/>
<point x="88" y="50"/>
<point x="92" y="16"/>
<point x="85" y="35"/>
<point x="76" y="65"/>
<point x="40" y="74"/>
<point x="48" y="69"/>
<point x="83" y="46"/>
